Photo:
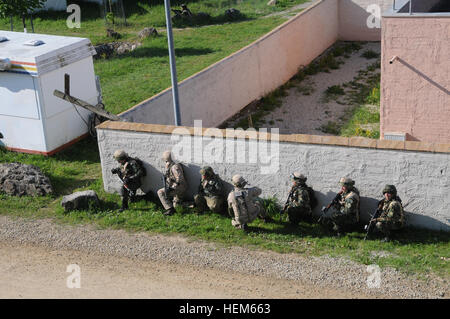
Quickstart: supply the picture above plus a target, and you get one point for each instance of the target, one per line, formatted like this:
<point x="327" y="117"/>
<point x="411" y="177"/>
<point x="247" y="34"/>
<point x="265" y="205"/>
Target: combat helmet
<point x="345" y="181"/>
<point x="207" y="171"/>
<point x="238" y="181"/>
<point x="390" y="189"/>
<point x="120" y="155"/>
<point x="296" y="176"/>
<point x="167" y="156"/>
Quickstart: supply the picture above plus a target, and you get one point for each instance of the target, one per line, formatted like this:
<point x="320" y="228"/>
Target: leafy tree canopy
<point x="19" y="7"/>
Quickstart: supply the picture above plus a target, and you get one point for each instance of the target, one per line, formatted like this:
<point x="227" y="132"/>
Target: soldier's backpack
<point x="141" y="166"/>
<point x="241" y="203"/>
<point x="312" y="197"/>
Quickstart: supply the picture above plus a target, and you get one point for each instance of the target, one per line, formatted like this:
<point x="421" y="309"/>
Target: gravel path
<point x="325" y="272"/>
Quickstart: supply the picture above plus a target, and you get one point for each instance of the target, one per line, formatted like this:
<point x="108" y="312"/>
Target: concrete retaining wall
<point x="223" y="89"/>
<point x="420" y="171"/>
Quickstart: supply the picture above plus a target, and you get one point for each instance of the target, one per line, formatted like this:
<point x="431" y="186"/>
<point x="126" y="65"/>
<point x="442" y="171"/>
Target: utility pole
<point x="173" y="69"/>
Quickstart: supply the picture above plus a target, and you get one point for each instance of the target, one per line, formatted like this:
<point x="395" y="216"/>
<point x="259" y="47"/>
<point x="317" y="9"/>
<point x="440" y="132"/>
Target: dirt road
<point x="35" y="272"/>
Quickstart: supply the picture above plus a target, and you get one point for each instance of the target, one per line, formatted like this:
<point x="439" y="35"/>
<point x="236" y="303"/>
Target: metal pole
<point x="410" y="7"/>
<point x="12" y="25"/>
<point x="173" y="69"/>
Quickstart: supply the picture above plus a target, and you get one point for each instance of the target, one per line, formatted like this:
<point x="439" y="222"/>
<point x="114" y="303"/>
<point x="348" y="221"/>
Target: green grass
<point x="413" y="251"/>
<point x="131" y="78"/>
<point x="141" y="14"/>
<point x="134" y="77"/>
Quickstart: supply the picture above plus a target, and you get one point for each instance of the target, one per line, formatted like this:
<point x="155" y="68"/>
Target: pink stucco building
<point x="415" y="77"/>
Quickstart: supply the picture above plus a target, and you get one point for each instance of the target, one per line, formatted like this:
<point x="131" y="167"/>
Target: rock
<point x="147" y="33"/>
<point x="106" y="50"/>
<point x="272" y="2"/>
<point x="18" y="179"/>
<point x="113" y="34"/>
<point x="80" y="200"/>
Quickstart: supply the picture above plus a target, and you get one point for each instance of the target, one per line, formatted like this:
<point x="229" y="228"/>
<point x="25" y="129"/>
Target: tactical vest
<point x="240" y="197"/>
<point x="355" y="194"/>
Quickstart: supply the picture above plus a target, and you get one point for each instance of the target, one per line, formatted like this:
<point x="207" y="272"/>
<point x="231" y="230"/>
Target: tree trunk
<point x="24" y="25"/>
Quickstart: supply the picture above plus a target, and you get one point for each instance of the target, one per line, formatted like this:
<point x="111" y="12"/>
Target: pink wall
<point x="415" y="97"/>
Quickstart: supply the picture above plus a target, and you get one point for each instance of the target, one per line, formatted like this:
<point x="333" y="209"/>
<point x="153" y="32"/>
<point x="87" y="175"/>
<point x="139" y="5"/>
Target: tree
<point x="9" y="8"/>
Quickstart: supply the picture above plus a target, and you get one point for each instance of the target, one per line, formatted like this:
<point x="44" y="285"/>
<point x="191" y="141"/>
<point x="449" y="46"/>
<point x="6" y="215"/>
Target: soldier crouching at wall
<point x="210" y="192"/>
<point x="175" y="182"/>
<point x="392" y="217"/>
<point x="131" y="172"/>
<point x="346" y="208"/>
<point x="244" y="205"/>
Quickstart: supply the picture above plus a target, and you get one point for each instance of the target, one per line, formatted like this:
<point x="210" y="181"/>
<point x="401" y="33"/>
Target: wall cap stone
<point x="361" y="142"/>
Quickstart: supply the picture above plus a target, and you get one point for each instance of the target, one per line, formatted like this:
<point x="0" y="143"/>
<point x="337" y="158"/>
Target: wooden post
<point x="67" y="84"/>
<point x="96" y="109"/>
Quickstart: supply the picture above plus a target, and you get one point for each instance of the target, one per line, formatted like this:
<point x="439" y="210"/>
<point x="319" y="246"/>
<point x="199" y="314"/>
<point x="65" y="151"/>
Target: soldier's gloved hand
<point x="114" y="170"/>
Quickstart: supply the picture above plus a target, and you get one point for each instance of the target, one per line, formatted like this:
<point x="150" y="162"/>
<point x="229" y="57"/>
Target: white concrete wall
<point x="353" y="17"/>
<point x="422" y="178"/>
<point x="223" y="89"/>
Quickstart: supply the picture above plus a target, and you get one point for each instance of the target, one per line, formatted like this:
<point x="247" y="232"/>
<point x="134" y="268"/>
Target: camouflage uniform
<point x="243" y="204"/>
<point x="299" y="203"/>
<point x="185" y="11"/>
<point x="346" y="214"/>
<point x="392" y="216"/>
<point x="131" y="173"/>
<point x="210" y="192"/>
<point x="176" y="184"/>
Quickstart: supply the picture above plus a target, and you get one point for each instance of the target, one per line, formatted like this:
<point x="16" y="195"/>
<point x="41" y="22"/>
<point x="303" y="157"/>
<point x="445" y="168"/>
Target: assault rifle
<point x="370" y="227"/>
<point x="116" y="171"/>
<point x="334" y="202"/>
<point x="166" y="188"/>
<point x="286" y="205"/>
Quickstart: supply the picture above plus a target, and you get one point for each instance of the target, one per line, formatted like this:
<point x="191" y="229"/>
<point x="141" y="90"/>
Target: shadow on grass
<point x="66" y="185"/>
<point x="199" y="21"/>
<point x="405" y="236"/>
<point x="85" y="151"/>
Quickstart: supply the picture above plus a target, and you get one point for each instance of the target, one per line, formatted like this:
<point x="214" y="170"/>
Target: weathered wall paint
<point x="422" y="178"/>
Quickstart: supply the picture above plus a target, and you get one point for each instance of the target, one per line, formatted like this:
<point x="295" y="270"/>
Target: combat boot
<point x="268" y="219"/>
<point x="169" y="211"/>
<point x="124" y="205"/>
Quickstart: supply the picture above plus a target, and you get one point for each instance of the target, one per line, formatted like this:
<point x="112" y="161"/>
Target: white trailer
<point x="32" y="119"/>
